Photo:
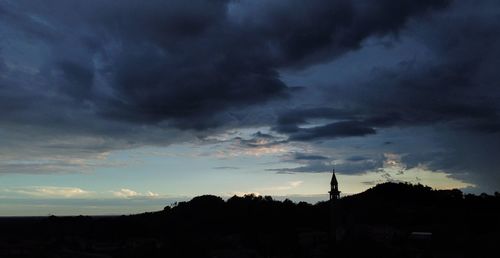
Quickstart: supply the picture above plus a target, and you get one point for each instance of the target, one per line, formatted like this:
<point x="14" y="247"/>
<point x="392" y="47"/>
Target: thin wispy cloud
<point x="51" y="192"/>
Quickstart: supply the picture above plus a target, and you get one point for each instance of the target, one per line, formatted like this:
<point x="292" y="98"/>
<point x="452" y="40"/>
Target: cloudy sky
<point x="125" y="106"/>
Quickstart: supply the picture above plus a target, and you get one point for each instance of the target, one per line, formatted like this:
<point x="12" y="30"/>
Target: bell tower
<point x="334" y="212"/>
<point x="334" y="188"/>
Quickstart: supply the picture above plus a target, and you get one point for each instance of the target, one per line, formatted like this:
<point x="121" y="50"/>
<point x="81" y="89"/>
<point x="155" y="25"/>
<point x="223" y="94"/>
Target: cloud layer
<point x="78" y="80"/>
<point x="172" y="61"/>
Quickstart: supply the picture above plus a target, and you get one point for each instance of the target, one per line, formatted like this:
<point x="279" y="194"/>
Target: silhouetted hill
<point x="402" y="193"/>
<point x="410" y="205"/>
<point x="376" y="223"/>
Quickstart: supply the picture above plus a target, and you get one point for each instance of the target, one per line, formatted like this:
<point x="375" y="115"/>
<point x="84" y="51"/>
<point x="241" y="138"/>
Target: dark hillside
<point x="376" y="223"/>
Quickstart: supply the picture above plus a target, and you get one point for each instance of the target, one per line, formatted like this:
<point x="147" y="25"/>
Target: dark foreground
<point x="389" y="220"/>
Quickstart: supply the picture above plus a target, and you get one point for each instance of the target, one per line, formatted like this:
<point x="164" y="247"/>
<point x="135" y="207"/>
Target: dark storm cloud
<point x="317" y="30"/>
<point x="304" y="156"/>
<point x="356" y="158"/>
<point x="459" y="90"/>
<point x="259" y="139"/>
<point x="289" y="121"/>
<point x="320" y="164"/>
<point x="186" y="62"/>
<point x="458" y="86"/>
<point x="455" y="86"/>
<point x="454" y="90"/>
<point x="78" y="79"/>
<point x="316" y="163"/>
<point x="332" y="130"/>
<point x="488" y="127"/>
<point x="128" y="74"/>
<point x="259" y="134"/>
<point x="352" y="122"/>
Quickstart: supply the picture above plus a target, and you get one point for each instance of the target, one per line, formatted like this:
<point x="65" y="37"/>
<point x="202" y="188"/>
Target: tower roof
<point x="334" y="179"/>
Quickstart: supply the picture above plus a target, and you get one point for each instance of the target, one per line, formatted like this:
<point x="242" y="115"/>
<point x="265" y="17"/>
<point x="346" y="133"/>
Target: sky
<point x="119" y="107"/>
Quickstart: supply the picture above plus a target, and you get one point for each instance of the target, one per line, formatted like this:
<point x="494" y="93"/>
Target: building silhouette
<point x="334" y="210"/>
<point x="334" y="188"/>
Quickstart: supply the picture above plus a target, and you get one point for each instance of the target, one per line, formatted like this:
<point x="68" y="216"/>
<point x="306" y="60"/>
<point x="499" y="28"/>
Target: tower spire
<point x="334" y="210"/>
<point x="334" y="187"/>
